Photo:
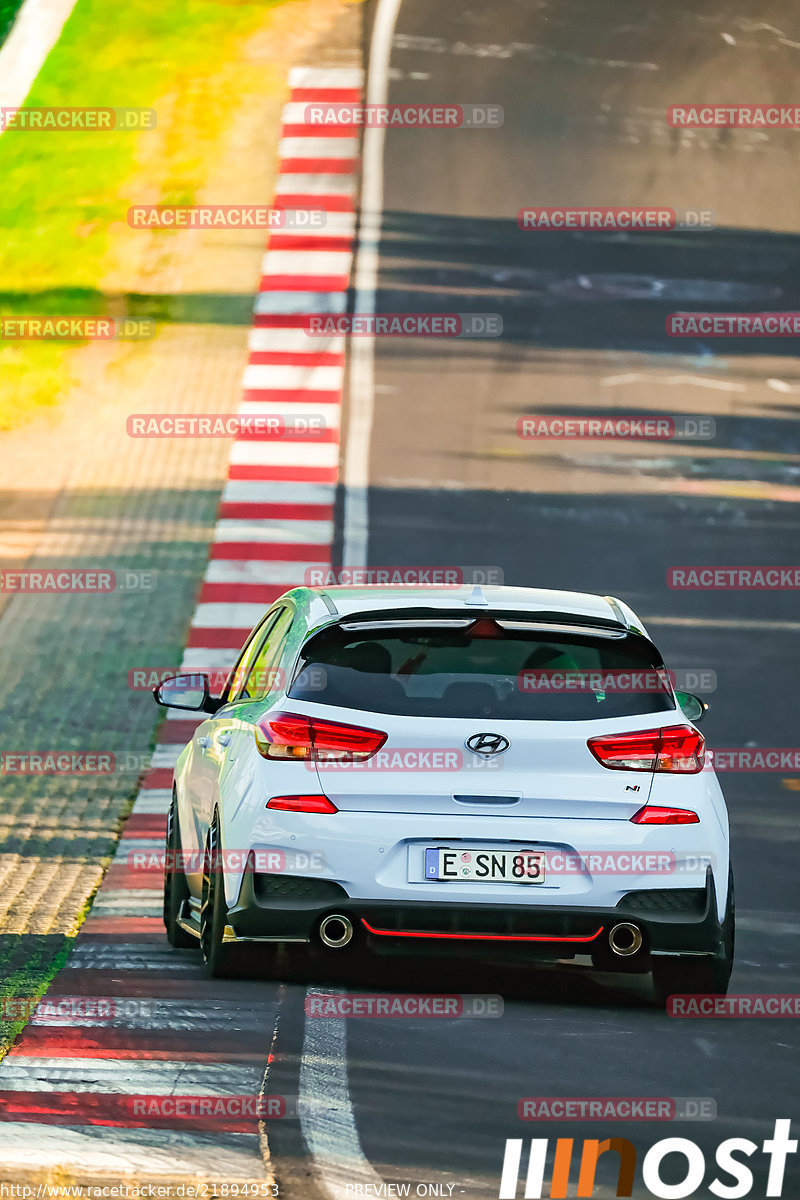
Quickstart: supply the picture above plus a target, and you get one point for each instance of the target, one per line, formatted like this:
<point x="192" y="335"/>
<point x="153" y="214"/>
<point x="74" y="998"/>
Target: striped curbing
<point x="63" y="1087"/>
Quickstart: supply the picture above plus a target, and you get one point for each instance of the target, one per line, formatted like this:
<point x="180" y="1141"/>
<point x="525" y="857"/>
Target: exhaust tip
<point x="335" y="931"/>
<point x="625" y="939"/>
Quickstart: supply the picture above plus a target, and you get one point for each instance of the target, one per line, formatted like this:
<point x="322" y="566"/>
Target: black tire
<point x="227" y="960"/>
<point x="176" y="889"/>
<point x="698" y="974"/>
<point x="213" y="909"/>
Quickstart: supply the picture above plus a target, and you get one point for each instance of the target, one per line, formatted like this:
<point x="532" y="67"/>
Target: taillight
<point x="295" y="736"/>
<point x="304" y="804"/>
<point x="650" y="815"/>
<point x="679" y="749"/>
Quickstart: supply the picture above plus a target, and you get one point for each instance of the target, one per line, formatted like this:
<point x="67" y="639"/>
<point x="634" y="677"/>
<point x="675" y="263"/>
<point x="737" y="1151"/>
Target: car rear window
<point x="483" y="671"/>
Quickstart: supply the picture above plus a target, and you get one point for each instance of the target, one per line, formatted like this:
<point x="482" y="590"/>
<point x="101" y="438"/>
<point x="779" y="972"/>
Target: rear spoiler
<point x="545" y="620"/>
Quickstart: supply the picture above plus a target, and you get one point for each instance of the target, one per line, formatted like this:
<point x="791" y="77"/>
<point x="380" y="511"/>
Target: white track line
<point x="306" y="262"/>
<point x="318" y="147"/>
<point x="285" y="377"/>
<point x="294" y="341"/>
<point x="337" y="224"/>
<point x="326" y="1112"/>
<point x="128" y="846"/>
<point x="276" y="491"/>
<point x="362" y="350"/>
<point x="164" y="755"/>
<point x="228" y="616"/>
<point x="152" y="800"/>
<point x="285" y="454"/>
<point x="175" y="748"/>
<point x="325" y="77"/>
<point x="234" y="530"/>
<point x="204" y="659"/>
<point x="296" y="303"/>
<point x="315" y="185"/>
<point x="328" y="414"/>
<point x="231" y="570"/>
<point x="114" y="897"/>
<point x="35" y="31"/>
<point x="325" y="1106"/>
<point x="294" y="113"/>
<point x="129" y="905"/>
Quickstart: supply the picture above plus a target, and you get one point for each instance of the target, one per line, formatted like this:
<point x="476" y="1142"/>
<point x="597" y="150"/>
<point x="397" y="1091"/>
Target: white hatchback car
<point x="478" y="771"/>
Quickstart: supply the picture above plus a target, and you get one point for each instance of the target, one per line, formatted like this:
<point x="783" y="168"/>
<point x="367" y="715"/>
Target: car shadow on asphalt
<point x="562" y="983"/>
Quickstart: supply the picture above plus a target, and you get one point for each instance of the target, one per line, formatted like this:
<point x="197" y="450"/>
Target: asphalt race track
<point x="584" y="87"/>
<point x="424" y="1107"/>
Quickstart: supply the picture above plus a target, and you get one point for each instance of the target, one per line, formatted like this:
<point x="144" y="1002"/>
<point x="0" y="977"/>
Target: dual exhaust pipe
<point x="336" y="932"/>
<point x="625" y="939"/>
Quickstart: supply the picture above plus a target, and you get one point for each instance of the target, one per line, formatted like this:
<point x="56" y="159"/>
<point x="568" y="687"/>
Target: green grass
<point x="65" y="194"/>
<point x="29" y="964"/>
<point x="8" y="10"/>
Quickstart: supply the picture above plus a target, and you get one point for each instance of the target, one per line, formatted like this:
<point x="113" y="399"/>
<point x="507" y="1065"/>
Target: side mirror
<point x="692" y="706"/>
<point x="186" y="691"/>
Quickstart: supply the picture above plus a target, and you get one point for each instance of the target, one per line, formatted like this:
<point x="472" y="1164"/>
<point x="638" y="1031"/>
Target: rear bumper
<point x="687" y="926"/>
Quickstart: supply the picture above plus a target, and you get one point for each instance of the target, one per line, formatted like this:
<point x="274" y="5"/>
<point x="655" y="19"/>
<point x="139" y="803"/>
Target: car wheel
<point x="698" y="974"/>
<point x="176" y="889"/>
<point x="213" y="910"/>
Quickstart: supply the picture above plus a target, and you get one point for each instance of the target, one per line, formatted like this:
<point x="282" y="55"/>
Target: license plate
<point x="485" y="866"/>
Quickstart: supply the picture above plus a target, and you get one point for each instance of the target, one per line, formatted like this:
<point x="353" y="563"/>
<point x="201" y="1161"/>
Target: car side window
<point x="252" y="649"/>
<point x="261" y="679"/>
